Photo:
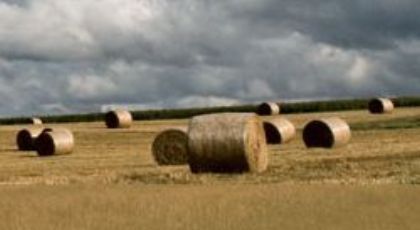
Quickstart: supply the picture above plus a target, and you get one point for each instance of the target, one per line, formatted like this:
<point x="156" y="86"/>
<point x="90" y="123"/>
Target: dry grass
<point x="210" y="207"/>
<point x="303" y="188"/>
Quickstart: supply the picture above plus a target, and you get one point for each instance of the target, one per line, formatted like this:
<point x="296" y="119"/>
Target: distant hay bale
<point x="170" y="147"/>
<point x="25" y="138"/>
<point x="118" y="119"/>
<point x="380" y="105"/>
<point x="327" y="133"/>
<point x="54" y="142"/>
<point x="35" y="121"/>
<point x="31" y="121"/>
<point x="279" y="130"/>
<point x="227" y="143"/>
<point x="268" y="108"/>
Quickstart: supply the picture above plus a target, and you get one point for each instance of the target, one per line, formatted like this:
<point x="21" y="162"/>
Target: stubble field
<point x="112" y="182"/>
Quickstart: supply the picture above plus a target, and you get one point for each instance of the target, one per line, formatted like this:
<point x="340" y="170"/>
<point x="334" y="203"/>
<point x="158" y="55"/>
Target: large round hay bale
<point x="227" y="143"/>
<point x="25" y="138"/>
<point x="118" y="119"/>
<point x="380" y="105"/>
<point x="268" y="108"/>
<point x="170" y="147"/>
<point x="327" y="133"/>
<point x="279" y="130"/>
<point x="54" y="142"/>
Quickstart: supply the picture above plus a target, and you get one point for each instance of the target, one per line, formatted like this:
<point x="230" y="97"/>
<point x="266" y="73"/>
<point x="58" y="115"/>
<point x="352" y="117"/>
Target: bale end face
<point x="24" y="141"/>
<point x="272" y="134"/>
<point x="45" y="145"/>
<point x="170" y="147"/>
<point x="111" y="120"/>
<point x="256" y="151"/>
<point x="318" y="134"/>
<point x="25" y="138"/>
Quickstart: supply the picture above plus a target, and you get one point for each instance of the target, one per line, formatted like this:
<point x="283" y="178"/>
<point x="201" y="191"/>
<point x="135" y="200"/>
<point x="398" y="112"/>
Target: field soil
<point x="111" y="181"/>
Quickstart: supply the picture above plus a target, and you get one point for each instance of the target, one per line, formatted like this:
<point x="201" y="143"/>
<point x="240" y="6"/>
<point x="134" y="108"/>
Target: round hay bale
<point x="326" y="133"/>
<point x="32" y="121"/>
<point x="25" y="138"/>
<point x="35" y="121"/>
<point x="55" y="142"/>
<point x="227" y="143"/>
<point x="268" y="108"/>
<point x="170" y="147"/>
<point x="118" y="119"/>
<point x="380" y="106"/>
<point x="279" y="130"/>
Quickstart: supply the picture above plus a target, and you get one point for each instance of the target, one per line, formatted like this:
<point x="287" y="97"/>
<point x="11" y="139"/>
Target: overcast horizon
<point x="73" y="56"/>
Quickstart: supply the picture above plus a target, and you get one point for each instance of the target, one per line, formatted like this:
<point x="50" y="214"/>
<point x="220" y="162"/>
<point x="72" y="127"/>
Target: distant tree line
<point x="286" y="108"/>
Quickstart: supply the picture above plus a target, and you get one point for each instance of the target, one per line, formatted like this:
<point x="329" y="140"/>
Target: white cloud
<point x="89" y="86"/>
<point x="360" y="70"/>
<point x="258" y="88"/>
<point x="205" y="101"/>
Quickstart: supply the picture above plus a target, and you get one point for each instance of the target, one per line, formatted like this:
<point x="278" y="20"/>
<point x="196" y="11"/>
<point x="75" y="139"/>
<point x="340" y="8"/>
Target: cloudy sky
<point x="73" y="56"/>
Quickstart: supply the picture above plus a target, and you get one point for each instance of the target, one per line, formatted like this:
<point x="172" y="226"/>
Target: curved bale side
<point x="25" y="138"/>
<point x="268" y="108"/>
<point x="326" y="133"/>
<point x="55" y="142"/>
<point x="47" y="130"/>
<point x="279" y="130"/>
<point x="227" y="143"/>
<point x="380" y="106"/>
<point x="170" y="147"/>
<point x="118" y="119"/>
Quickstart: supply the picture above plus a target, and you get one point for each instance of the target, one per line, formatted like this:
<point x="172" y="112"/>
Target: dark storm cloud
<point x="373" y="24"/>
<point x="71" y="56"/>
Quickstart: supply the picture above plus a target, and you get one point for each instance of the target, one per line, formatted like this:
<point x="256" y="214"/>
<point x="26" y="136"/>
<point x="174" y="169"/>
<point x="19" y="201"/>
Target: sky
<point x="73" y="56"/>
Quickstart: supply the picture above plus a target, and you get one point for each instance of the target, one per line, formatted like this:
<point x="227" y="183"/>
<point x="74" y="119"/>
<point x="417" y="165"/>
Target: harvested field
<point x="119" y="156"/>
<point x="371" y="183"/>
<point x="203" y="207"/>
